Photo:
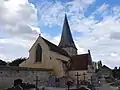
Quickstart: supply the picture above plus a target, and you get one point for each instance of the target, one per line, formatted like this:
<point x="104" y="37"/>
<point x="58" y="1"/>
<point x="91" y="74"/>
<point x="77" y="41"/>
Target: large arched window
<point x="38" y="53"/>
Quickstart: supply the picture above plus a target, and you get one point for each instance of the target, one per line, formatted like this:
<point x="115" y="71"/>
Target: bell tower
<point x="66" y="41"/>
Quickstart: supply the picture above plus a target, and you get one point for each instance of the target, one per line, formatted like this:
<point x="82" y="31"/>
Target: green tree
<point x="115" y="68"/>
<point x="3" y="63"/>
<point x="99" y="64"/>
<point x="116" y="72"/>
<point x="17" y="61"/>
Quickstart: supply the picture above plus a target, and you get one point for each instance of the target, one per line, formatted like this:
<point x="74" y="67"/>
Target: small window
<point x="50" y="58"/>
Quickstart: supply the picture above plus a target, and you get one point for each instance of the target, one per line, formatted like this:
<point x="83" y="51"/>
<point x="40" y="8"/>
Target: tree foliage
<point x="99" y="64"/>
<point x="116" y="72"/>
<point x="115" y="68"/>
<point x="3" y="63"/>
<point x="17" y="61"/>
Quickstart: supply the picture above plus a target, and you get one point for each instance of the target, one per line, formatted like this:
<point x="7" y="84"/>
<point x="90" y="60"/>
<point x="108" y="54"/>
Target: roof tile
<point x="55" y="48"/>
<point x="81" y="62"/>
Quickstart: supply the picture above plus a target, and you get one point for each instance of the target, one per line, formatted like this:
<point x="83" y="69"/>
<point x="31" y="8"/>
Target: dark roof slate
<point x="55" y="48"/>
<point x="66" y="37"/>
<point x="81" y="62"/>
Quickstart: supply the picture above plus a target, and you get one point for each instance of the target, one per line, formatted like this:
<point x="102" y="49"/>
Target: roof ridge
<point x="55" y="48"/>
<point x="81" y="54"/>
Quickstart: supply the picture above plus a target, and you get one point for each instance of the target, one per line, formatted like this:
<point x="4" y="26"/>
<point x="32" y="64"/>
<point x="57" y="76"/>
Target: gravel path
<point x="105" y="86"/>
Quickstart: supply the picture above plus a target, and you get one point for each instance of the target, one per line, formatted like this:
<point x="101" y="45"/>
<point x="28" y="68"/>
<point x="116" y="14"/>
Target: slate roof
<point x="66" y="37"/>
<point x="55" y="48"/>
<point x="23" y="68"/>
<point x="81" y="62"/>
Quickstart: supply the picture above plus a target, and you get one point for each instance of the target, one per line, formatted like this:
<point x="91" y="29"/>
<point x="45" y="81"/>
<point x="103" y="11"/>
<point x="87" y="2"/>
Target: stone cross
<point x="77" y="75"/>
<point x="68" y="83"/>
<point x="91" y="80"/>
<point x="84" y="75"/>
<point x="36" y="82"/>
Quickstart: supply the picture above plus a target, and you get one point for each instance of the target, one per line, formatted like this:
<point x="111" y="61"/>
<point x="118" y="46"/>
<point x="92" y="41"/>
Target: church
<point x="63" y="59"/>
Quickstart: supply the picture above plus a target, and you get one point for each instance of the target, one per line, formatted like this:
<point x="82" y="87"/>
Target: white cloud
<point x="101" y="37"/>
<point x="17" y="28"/>
<point x="18" y="14"/>
<point x="52" y="13"/>
<point x="102" y="8"/>
<point x="114" y="55"/>
<point x="19" y="31"/>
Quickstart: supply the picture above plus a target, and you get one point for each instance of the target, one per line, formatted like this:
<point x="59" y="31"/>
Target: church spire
<point x="66" y="37"/>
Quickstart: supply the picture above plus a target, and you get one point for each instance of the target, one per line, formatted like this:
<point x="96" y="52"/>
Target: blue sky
<point x="94" y="25"/>
<point x="87" y="12"/>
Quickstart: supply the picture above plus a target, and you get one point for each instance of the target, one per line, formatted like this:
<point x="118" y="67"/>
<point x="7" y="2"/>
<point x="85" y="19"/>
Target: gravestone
<point x="51" y="81"/>
<point x="17" y="85"/>
<point x="18" y="82"/>
<point x="81" y="88"/>
<point x="69" y="83"/>
<point x="57" y="82"/>
<point x="63" y="80"/>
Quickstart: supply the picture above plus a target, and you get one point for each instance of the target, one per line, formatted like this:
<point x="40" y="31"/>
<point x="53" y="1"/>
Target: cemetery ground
<point x="104" y="86"/>
<point x="51" y="85"/>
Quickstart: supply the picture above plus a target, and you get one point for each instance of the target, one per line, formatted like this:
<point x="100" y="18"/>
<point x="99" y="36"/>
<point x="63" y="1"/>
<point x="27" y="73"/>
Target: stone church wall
<point x="57" y="64"/>
<point x="30" y="62"/>
<point x="9" y="74"/>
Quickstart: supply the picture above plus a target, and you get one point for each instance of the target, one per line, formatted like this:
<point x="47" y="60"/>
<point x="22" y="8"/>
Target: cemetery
<point x="51" y="83"/>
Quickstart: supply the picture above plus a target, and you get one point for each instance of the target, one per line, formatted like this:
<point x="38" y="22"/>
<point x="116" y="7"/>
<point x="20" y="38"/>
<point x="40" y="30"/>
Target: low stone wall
<point x="8" y="75"/>
<point x="8" y="81"/>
